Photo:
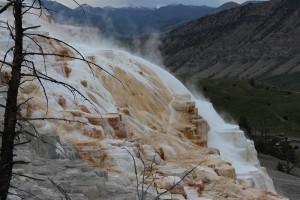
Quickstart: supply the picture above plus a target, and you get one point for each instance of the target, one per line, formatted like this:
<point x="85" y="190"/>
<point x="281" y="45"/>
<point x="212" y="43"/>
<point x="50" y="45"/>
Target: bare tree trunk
<point x="8" y="135"/>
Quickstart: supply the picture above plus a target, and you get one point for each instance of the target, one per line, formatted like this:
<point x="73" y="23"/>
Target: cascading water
<point x="228" y="138"/>
<point x="234" y="147"/>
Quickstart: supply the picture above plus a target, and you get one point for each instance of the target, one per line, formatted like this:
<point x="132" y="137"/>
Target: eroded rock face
<point x="193" y="126"/>
<point x="114" y="120"/>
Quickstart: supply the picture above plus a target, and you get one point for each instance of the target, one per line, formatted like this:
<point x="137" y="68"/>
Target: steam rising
<point x="146" y="93"/>
<point x="228" y="138"/>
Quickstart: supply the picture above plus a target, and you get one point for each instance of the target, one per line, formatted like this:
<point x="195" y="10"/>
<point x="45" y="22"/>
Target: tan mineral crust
<point x="156" y="128"/>
<point x="132" y="122"/>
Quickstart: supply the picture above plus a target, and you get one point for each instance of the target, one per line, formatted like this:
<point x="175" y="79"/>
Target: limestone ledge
<point x="193" y="126"/>
<point x="115" y="146"/>
<point x="115" y="143"/>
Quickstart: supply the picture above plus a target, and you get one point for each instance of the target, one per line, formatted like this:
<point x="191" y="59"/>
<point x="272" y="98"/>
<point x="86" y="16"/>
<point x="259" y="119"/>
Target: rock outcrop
<point x="195" y="128"/>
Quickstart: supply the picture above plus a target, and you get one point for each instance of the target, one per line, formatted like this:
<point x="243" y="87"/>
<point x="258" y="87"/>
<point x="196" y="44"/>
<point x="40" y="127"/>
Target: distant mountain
<point x="129" y="21"/>
<point x="249" y="2"/>
<point x="256" y="41"/>
<point x="225" y="6"/>
<point x="230" y="5"/>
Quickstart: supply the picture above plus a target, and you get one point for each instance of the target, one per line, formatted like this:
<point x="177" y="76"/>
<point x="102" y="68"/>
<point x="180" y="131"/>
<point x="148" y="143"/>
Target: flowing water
<point x="147" y="91"/>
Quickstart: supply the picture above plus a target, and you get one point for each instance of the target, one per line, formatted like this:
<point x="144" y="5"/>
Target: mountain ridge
<point x="225" y="6"/>
<point x="127" y="21"/>
<point x="256" y="41"/>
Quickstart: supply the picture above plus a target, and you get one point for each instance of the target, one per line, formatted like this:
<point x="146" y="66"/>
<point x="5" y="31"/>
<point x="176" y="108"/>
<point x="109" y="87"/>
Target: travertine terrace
<point x="143" y="117"/>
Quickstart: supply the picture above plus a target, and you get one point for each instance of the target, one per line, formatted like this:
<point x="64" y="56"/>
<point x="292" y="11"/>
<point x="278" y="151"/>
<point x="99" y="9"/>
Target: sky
<point x="146" y="3"/>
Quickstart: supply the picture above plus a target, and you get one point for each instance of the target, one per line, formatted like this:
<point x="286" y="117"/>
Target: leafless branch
<point x="41" y="84"/>
<point x="72" y="89"/>
<point x="22" y="143"/>
<point x="37" y="136"/>
<point x="68" y="45"/>
<point x="45" y="142"/>
<point x="5" y="55"/>
<point x="135" y="172"/>
<point x="75" y="58"/>
<point x="9" y="64"/>
<point x="20" y="162"/>
<point x="26" y="101"/>
<point x="4" y="8"/>
<point x="31" y="195"/>
<point x="36" y="179"/>
<point x="31" y="27"/>
<point x="54" y="118"/>
<point x="173" y="186"/>
<point x="60" y="189"/>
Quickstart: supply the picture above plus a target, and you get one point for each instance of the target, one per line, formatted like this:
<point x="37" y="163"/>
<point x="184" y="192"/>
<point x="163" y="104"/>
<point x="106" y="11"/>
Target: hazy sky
<point x="147" y="3"/>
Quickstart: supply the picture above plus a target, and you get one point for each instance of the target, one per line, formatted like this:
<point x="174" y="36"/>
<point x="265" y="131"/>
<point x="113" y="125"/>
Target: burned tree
<point x="10" y="115"/>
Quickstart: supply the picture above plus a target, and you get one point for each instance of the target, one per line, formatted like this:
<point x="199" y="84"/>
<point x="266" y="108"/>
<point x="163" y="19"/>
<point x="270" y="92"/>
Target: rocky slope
<point x="256" y="41"/>
<point x="138" y="134"/>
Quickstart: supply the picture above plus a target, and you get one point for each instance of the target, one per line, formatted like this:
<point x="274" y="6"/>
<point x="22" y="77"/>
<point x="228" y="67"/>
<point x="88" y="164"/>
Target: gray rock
<point x="37" y="162"/>
<point x="77" y="196"/>
<point x="48" y="147"/>
<point x="73" y="175"/>
<point x="101" y="173"/>
<point x="42" y="171"/>
<point x="173" y="171"/>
